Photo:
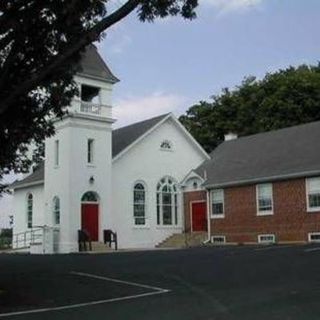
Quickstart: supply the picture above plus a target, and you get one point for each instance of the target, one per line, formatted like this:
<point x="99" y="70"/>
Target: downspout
<point x="208" y="217"/>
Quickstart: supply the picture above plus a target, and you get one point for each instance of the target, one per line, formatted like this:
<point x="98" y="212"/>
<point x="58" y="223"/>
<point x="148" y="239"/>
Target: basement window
<point x="218" y="239"/>
<point x="314" y="237"/>
<point x="266" y="238"/>
<point x="90" y="94"/>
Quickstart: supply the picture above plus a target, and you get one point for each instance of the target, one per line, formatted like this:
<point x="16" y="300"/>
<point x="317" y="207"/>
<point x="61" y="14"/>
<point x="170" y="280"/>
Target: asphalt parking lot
<point x="277" y="282"/>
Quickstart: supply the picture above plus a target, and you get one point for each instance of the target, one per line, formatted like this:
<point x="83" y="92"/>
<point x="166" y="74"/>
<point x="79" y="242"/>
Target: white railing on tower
<point x="90" y="108"/>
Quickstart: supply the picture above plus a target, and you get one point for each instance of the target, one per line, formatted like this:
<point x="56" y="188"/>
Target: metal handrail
<point x="27" y="238"/>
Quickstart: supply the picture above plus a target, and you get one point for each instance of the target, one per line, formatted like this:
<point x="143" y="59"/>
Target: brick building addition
<point x="263" y="188"/>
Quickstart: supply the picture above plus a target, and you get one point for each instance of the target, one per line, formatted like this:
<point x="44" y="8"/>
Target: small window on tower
<point x="90" y="151"/>
<point x="56" y="153"/>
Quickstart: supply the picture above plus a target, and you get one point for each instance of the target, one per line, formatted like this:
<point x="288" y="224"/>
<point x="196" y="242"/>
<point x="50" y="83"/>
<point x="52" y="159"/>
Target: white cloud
<point x="132" y="109"/>
<point x="225" y="6"/>
<point x="119" y="45"/>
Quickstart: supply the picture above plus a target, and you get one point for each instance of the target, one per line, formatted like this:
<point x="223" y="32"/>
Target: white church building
<point x="130" y="180"/>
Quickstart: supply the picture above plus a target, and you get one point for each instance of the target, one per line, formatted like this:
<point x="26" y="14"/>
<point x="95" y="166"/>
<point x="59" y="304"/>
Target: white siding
<point x="146" y="162"/>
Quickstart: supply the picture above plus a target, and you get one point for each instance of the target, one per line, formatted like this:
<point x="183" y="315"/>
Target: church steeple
<point x="79" y="156"/>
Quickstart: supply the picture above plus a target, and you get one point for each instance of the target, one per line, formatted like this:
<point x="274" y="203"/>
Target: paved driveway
<point x="280" y="282"/>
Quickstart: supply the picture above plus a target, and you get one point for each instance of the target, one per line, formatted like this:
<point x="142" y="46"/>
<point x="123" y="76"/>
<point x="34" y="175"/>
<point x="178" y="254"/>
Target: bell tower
<point x="78" y="158"/>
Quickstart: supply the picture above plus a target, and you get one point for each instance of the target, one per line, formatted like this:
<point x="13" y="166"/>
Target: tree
<point x="40" y="48"/>
<point x="281" y="99"/>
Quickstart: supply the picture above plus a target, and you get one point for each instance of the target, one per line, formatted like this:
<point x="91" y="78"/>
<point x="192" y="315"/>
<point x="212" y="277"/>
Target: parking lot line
<point x="88" y="275"/>
<point x="156" y="291"/>
<point x="312" y="249"/>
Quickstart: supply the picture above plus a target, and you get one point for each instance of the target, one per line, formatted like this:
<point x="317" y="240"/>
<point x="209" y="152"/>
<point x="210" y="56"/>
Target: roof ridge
<point x="270" y="132"/>
<point x="142" y="121"/>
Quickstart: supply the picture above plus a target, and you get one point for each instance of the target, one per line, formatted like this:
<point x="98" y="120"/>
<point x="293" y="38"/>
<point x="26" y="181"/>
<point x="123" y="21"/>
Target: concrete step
<point x="181" y="240"/>
<point x="100" y="247"/>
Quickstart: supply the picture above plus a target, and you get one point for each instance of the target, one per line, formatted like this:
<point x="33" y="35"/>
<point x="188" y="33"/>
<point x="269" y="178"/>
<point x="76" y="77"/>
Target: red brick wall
<point x="290" y="221"/>
<point x="188" y="197"/>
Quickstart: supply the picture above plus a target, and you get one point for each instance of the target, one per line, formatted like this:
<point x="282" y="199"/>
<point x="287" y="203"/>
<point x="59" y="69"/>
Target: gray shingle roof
<point x="93" y="65"/>
<point x="281" y="154"/>
<point x="34" y="178"/>
<point x="121" y="139"/>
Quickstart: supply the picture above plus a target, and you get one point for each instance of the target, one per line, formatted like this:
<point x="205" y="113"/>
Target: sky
<point x="171" y="64"/>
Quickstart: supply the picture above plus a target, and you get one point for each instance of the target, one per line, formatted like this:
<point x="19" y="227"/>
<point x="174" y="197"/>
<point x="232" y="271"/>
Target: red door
<point x="199" y="216"/>
<point x="89" y="219"/>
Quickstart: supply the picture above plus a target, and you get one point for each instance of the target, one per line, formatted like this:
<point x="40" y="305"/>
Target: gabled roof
<point x="122" y="138"/>
<point x="35" y="178"/>
<point x="93" y="65"/>
<point x="275" y="155"/>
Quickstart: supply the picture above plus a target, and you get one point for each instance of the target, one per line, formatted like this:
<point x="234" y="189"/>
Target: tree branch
<point x="89" y="37"/>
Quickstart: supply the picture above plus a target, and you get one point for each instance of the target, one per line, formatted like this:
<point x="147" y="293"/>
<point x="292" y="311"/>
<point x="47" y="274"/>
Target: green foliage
<point x="40" y="47"/>
<point x="5" y="238"/>
<point x="281" y="99"/>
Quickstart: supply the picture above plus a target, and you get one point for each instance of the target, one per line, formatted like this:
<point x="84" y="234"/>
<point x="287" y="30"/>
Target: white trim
<point x="310" y="234"/>
<point x="266" y="235"/>
<point x="264" y="179"/>
<point x="314" y="209"/>
<point x="125" y="150"/>
<point x="208" y="215"/>
<point x="91" y="152"/>
<point x="169" y="116"/>
<point x="191" y="213"/>
<point x="264" y="213"/>
<point x="218" y="236"/>
<point x="28" y="184"/>
<point x="146" y="219"/>
<point x="191" y="174"/>
<point x="221" y="215"/>
<point x="176" y="205"/>
<point x="186" y="132"/>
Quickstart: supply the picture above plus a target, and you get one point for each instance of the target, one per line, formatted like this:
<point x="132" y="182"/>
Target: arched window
<point x="56" y="210"/>
<point x="166" y="145"/>
<point x="29" y="210"/>
<point x="139" y="204"/>
<point x="90" y="196"/>
<point x="167" y="202"/>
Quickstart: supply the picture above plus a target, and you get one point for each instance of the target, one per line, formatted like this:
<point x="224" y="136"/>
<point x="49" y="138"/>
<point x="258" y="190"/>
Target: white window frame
<point x="217" y="216"/>
<point x="264" y="213"/>
<point x="30" y="210"/>
<point x="218" y="237"/>
<point x="56" y="153"/>
<point x="145" y="205"/>
<point x="56" y="210"/>
<point x="169" y="143"/>
<point x="310" y="234"/>
<point x="165" y="181"/>
<point x="310" y="209"/>
<point x="90" y="151"/>
<point x="267" y="235"/>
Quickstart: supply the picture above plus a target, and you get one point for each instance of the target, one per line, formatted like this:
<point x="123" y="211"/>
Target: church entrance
<point x="90" y="214"/>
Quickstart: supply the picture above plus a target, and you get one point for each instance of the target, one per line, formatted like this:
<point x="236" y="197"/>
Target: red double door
<point x="90" y="219"/>
<point x="199" y="216"/>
